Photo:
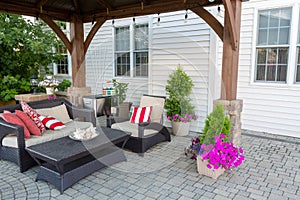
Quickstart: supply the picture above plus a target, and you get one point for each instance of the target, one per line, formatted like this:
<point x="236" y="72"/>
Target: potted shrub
<point x="178" y="105"/>
<point x="212" y="149"/>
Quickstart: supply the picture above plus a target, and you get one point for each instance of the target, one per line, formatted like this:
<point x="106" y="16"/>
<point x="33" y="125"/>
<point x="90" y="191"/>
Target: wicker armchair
<point x="147" y="134"/>
<point x="19" y="155"/>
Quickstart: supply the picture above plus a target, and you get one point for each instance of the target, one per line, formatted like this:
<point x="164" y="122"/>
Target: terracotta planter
<point x="181" y="128"/>
<point x="203" y="170"/>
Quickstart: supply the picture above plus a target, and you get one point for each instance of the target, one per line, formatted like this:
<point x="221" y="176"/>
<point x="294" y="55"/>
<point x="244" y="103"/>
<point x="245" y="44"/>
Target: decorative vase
<point x="49" y="90"/>
<point x="180" y="128"/>
<point x="204" y="170"/>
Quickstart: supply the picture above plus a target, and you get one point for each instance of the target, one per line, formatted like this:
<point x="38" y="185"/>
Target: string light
<point x="185" y="16"/>
<point x="133" y="20"/>
<point x="113" y="22"/>
<point x="7" y="19"/>
<point x="158" y="19"/>
<point x="93" y="20"/>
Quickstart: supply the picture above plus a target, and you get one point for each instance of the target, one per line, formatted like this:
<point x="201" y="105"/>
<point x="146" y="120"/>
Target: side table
<point x="31" y="97"/>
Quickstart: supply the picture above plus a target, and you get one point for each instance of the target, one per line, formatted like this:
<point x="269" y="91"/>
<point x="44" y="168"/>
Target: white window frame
<point x="129" y="22"/>
<point x="291" y="69"/>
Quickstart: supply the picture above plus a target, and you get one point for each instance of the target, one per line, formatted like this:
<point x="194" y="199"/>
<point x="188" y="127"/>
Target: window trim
<point x="291" y="68"/>
<point x="132" y="50"/>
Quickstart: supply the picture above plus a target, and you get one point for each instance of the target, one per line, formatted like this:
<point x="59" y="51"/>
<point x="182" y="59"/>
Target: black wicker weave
<point x="64" y="161"/>
<point x="19" y="155"/>
<point x="142" y="143"/>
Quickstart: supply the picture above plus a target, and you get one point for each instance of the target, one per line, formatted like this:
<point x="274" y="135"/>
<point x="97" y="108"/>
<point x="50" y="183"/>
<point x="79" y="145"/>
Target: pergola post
<point x="231" y="39"/>
<point x="78" y="62"/>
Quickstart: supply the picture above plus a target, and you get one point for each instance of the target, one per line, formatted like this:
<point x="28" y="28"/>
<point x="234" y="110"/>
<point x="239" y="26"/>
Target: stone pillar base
<point x="233" y="109"/>
<point x="76" y="93"/>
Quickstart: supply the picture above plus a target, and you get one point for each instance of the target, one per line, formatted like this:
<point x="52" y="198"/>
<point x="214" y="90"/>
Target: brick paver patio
<point x="271" y="170"/>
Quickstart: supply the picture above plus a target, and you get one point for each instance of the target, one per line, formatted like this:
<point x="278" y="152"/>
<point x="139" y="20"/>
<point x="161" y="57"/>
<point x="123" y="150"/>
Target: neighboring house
<point x="144" y="51"/>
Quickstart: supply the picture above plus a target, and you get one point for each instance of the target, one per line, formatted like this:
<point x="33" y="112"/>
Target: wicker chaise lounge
<point x="13" y="148"/>
<point x="146" y="134"/>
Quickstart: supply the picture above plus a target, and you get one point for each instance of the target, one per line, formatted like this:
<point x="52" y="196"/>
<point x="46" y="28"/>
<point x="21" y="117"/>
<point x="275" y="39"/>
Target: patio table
<point x="64" y="161"/>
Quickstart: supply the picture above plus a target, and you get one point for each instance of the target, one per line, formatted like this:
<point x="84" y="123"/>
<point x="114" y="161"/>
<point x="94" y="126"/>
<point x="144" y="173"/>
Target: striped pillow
<point x="51" y="122"/>
<point x="141" y="114"/>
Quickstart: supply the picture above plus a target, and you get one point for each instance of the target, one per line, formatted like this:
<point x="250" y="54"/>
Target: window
<point x="272" y="47"/>
<point x="131" y="51"/>
<point x="62" y="64"/>
<point x="298" y="54"/>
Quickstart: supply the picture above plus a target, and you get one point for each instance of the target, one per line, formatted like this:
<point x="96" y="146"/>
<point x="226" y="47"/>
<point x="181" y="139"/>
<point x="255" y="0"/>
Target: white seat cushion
<point x="132" y="128"/>
<point x="11" y="141"/>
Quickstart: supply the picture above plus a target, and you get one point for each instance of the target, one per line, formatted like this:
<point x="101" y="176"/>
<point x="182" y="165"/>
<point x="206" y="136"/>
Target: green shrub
<point x="13" y="85"/>
<point x="64" y="85"/>
<point x="179" y="88"/>
<point x="215" y="123"/>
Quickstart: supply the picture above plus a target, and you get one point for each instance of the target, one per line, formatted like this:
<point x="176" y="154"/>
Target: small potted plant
<point x="49" y="83"/>
<point x="178" y="105"/>
<point x="213" y="150"/>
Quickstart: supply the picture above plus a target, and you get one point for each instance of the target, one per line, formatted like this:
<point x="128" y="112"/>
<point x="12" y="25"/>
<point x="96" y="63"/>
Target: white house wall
<point x="100" y="63"/>
<point x="175" y="42"/>
<point x="268" y="107"/>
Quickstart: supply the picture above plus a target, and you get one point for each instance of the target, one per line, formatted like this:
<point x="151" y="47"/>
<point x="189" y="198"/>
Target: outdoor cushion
<point x="14" y="119"/>
<point x="51" y="122"/>
<point x="48" y="135"/>
<point x="33" y="129"/>
<point x="33" y="115"/>
<point x="127" y="126"/>
<point x="141" y="114"/>
<point x="157" y="107"/>
<point x="59" y="112"/>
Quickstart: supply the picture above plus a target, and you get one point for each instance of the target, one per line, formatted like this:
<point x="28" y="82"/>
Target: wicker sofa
<point x="13" y="143"/>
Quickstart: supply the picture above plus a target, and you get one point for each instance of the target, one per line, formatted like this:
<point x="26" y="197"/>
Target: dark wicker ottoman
<point x="64" y="161"/>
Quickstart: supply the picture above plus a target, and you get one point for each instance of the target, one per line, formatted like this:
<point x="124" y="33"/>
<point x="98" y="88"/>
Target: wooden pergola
<point x="78" y="12"/>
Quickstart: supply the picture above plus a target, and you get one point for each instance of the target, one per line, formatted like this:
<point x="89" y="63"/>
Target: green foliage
<point x="64" y="85"/>
<point x="179" y="88"/>
<point x="215" y="123"/>
<point x="121" y="89"/>
<point x="25" y="49"/>
<point x="10" y="86"/>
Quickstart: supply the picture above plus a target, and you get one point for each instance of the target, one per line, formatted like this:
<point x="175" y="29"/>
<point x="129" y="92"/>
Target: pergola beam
<point x="76" y="5"/>
<point x="92" y="33"/>
<point x="105" y="4"/>
<point x="41" y="3"/>
<point x="210" y="20"/>
<point x="232" y="27"/>
<point x="58" y="31"/>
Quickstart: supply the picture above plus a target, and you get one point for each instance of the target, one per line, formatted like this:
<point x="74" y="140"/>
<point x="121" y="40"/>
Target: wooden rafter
<point x="105" y="4"/>
<point x="76" y="5"/>
<point x="58" y="31"/>
<point x="210" y="20"/>
<point x="32" y="10"/>
<point x="92" y="33"/>
<point x="41" y="3"/>
<point x="228" y="7"/>
<point x="135" y="10"/>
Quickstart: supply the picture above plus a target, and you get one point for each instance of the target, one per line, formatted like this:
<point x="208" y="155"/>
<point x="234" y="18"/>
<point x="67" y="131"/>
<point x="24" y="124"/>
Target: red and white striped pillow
<point x="141" y="114"/>
<point x="51" y="122"/>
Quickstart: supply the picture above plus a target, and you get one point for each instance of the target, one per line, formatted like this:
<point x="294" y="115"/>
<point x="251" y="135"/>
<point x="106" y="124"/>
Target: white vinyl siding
<point x="174" y="42"/>
<point x="100" y="62"/>
<point x="268" y="107"/>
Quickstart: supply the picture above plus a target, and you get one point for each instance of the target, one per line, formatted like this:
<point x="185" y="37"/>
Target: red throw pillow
<point x="141" y="114"/>
<point x="51" y="122"/>
<point x="33" y="115"/>
<point x="14" y="119"/>
<point x="33" y="129"/>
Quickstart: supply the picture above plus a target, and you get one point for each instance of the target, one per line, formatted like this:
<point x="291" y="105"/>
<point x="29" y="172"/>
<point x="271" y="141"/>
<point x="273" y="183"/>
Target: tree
<point x="25" y="48"/>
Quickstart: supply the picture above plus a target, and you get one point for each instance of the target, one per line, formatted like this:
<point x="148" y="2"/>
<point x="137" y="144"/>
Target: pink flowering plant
<point x="182" y="118"/>
<point x="222" y="154"/>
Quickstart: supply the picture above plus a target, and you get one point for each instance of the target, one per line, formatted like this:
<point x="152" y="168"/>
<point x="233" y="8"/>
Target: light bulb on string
<point x="158" y="19"/>
<point x="186" y="16"/>
<point x="7" y="19"/>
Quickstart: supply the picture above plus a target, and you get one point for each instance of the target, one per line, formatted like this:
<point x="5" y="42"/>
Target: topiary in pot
<point x="178" y="103"/>
<point x="215" y="123"/>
